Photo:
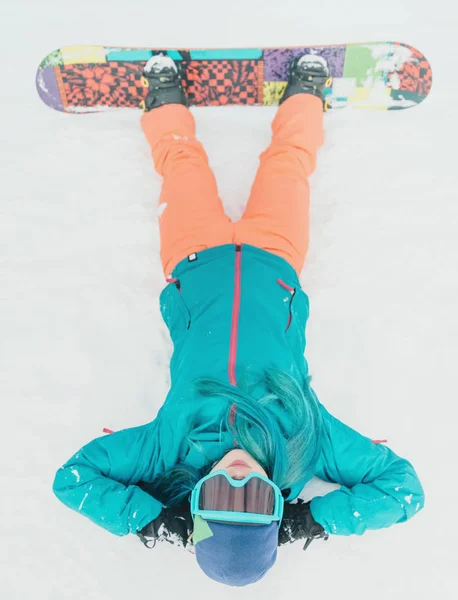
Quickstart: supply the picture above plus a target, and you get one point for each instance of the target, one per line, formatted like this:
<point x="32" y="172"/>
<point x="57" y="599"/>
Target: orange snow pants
<point x="276" y="218"/>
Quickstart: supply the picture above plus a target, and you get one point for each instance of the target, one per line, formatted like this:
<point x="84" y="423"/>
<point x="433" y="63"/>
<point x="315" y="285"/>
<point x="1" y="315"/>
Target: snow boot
<point x="308" y="74"/>
<point x="162" y="77"/>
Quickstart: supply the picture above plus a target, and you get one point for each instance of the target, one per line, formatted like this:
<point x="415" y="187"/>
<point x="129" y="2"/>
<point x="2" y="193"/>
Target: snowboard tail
<point x="381" y="76"/>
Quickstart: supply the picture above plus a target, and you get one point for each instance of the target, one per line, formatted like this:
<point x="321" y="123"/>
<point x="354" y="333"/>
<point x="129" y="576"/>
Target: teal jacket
<point x="231" y="309"/>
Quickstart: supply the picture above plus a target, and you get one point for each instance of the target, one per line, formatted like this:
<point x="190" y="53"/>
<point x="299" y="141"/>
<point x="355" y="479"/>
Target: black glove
<point x="173" y="525"/>
<point x="299" y="524"/>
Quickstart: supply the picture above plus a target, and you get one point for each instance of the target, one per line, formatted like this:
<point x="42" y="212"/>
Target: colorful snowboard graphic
<point x="381" y="75"/>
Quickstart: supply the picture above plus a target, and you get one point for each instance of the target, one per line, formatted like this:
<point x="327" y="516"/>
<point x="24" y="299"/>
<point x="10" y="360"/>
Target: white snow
<point x="161" y="208"/>
<point x="42" y="83"/>
<point x="82" y="344"/>
<point x="76" y="474"/>
<point x="83" y="501"/>
<point x="159" y="62"/>
<point x="312" y="60"/>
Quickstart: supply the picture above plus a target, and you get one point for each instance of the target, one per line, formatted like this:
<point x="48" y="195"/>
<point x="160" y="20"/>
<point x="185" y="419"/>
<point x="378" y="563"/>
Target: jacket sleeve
<point x="378" y="488"/>
<point x="99" y="480"/>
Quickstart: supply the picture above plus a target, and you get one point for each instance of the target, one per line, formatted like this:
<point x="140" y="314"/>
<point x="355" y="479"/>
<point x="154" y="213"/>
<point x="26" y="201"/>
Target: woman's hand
<point x="174" y="525"/>
<point x="298" y="524"/>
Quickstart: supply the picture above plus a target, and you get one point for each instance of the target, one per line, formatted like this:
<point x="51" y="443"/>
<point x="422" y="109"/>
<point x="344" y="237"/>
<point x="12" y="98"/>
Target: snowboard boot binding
<point x="308" y="74"/>
<point x="162" y="77"/>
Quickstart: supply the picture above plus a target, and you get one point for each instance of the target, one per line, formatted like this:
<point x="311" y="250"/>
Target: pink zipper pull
<point x="235" y="315"/>
<point x="286" y="286"/>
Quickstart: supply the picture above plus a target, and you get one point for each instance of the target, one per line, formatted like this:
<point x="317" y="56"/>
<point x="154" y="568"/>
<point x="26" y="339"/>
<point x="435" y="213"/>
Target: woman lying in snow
<point x="241" y="430"/>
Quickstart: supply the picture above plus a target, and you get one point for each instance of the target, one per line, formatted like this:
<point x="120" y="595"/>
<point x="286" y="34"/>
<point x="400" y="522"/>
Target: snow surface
<point x="82" y="345"/>
<point x="157" y="63"/>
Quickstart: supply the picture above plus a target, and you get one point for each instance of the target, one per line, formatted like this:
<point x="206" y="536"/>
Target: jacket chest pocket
<point x="295" y="307"/>
<point x="174" y="310"/>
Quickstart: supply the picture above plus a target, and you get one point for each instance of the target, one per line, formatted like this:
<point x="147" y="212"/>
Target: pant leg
<point x="192" y="217"/>
<point x="277" y="213"/>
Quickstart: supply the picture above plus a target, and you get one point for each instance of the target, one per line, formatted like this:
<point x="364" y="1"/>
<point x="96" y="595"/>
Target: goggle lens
<point x="256" y="496"/>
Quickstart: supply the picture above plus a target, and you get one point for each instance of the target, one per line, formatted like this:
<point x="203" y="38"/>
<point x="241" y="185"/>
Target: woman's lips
<point x="238" y="463"/>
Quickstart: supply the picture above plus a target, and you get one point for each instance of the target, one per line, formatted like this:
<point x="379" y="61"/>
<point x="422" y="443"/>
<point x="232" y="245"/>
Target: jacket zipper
<point x="235" y="315"/>
<point x="175" y="281"/>
<point x="292" y="291"/>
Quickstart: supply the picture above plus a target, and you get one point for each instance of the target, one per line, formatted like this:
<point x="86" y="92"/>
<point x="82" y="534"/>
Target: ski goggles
<point x="255" y="500"/>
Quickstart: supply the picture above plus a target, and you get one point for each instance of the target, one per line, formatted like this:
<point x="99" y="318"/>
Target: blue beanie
<point x="236" y="555"/>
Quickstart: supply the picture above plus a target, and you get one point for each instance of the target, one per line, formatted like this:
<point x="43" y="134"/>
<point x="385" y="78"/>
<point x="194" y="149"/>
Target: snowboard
<point x="378" y="75"/>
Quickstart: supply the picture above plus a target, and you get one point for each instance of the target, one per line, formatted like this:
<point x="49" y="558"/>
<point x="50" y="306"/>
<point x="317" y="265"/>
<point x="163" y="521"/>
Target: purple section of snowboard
<point x="276" y="62"/>
<point x="48" y="89"/>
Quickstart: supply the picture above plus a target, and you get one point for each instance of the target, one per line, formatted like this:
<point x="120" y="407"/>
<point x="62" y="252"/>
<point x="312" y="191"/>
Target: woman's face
<point x="239" y="471"/>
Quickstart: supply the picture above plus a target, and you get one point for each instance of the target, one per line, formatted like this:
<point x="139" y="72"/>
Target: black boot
<point x="308" y="74"/>
<point x="163" y="80"/>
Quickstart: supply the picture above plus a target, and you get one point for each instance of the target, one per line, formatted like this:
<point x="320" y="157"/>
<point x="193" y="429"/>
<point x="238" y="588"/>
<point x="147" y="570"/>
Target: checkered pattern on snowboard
<point x="117" y="84"/>
<point x="218" y="82"/>
<point x="104" y="84"/>
<point x="414" y="76"/>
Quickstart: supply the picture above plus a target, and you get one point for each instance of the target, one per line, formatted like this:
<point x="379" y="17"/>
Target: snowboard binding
<point x="308" y="74"/>
<point x="162" y="77"/>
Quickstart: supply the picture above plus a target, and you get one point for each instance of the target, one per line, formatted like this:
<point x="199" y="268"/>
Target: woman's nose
<point x="239" y="473"/>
